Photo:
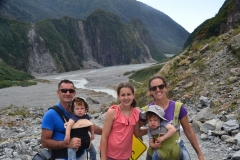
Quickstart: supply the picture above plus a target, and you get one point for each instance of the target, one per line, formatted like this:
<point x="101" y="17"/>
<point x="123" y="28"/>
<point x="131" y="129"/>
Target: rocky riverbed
<point x="23" y="107"/>
<point x="20" y="134"/>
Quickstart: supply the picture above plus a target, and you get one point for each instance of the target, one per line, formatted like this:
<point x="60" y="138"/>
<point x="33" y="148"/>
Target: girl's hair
<point x="157" y="77"/>
<point x="127" y="85"/>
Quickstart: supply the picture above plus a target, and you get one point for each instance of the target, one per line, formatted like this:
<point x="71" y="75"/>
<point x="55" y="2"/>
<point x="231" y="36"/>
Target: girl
<point x="158" y="90"/>
<point x="121" y="122"/>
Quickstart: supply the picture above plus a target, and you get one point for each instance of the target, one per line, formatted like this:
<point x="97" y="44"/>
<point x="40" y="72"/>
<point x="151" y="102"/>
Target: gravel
<point x="44" y="95"/>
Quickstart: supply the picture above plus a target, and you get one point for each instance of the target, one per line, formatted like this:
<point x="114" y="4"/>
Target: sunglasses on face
<point x="64" y="90"/>
<point x="154" y="88"/>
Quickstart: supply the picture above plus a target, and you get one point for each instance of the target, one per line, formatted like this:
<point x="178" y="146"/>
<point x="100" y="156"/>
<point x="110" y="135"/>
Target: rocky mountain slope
<point x="226" y="19"/>
<point x="66" y="44"/>
<point x="211" y="69"/>
<point x="205" y="77"/>
<point x="168" y="35"/>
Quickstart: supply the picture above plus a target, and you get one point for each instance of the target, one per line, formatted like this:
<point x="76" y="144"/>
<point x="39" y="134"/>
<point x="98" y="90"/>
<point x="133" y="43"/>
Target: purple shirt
<point x="169" y="112"/>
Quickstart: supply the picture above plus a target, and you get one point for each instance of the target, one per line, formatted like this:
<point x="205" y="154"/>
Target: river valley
<point x="88" y="80"/>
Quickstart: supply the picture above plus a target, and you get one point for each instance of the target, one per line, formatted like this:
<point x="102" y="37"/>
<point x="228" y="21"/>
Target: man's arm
<point x="97" y="129"/>
<point x="48" y="142"/>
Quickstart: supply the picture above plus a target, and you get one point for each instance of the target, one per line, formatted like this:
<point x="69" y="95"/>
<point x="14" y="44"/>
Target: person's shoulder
<point x="50" y="111"/>
<point x="164" y="122"/>
<point x="113" y="108"/>
<point x="87" y="116"/>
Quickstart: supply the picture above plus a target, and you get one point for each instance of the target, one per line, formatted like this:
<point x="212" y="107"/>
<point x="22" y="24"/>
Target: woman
<point x="158" y="90"/>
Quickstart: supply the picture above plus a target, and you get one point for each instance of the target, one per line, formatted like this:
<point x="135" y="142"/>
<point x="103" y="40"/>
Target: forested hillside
<point x="167" y="34"/>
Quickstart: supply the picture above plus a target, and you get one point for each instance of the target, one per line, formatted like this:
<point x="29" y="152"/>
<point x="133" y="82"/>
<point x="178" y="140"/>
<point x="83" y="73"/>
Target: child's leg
<point x="156" y="156"/>
<point x="72" y="154"/>
<point x="92" y="152"/>
<point x="148" y="157"/>
<point x="83" y="157"/>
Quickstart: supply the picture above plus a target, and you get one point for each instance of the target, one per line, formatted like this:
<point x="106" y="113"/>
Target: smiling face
<point x="66" y="97"/>
<point x="158" y="89"/>
<point x="125" y="96"/>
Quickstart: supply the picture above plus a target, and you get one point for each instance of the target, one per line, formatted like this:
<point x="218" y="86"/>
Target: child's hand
<point x="92" y="137"/>
<point x="67" y="139"/>
<point x="157" y="144"/>
<point x="160" y="140"/>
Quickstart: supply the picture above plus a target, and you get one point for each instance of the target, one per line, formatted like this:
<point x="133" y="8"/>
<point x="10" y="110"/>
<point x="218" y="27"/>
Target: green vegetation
<point x="140" y="79"/>
<point x="168" y="35"/>
<point x="236" y="31"/>
<point x="12" y="111"/>
<point x="12" y="77"/>
<point x="20" y="112"/>
<point x="200" y="65"/>
<point x="144" y="74"/>
<point x="14" y="43"/>
<point x="211" y="27"/>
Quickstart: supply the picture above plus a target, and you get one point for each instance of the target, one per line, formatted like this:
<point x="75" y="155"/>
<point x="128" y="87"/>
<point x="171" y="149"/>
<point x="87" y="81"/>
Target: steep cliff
<point x="168" y="35"/>
<point x="226" y="19"/>
<point x="66" y="44"/>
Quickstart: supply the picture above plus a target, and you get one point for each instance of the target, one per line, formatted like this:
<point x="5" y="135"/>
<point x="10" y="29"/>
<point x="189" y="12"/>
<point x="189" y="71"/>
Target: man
<point x="53" y="131"/>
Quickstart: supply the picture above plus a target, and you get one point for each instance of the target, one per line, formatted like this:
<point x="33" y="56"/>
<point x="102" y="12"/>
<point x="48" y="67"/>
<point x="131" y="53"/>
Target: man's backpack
<point x="85" y="139"/>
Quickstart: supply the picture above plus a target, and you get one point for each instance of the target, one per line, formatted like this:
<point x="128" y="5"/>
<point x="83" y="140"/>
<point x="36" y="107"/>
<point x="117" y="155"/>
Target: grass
<point x="7" y="83"/>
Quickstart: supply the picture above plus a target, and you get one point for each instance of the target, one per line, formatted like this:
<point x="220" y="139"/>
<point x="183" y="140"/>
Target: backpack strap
<point x="178" y="106"/>
<point x="60" y="112"/>
<point x="65" y="119"/>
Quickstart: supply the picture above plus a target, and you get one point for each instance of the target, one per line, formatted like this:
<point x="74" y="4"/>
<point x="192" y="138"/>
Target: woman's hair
<point x="156" y="77"/>
<point x="127" y="85"/>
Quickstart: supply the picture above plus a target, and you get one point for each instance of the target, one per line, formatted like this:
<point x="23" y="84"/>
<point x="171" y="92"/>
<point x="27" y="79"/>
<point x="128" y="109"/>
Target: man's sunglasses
<point x="154" y="88"/>
<point x="64" y="90"/>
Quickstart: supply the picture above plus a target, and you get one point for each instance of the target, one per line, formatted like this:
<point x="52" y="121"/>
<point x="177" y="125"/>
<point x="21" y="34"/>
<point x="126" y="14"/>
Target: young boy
<point x="78" y="126"/>
<point x="163" y="136"/>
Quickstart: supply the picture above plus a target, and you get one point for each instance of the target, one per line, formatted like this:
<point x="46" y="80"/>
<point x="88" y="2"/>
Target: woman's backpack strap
<point x="178" y="106"/>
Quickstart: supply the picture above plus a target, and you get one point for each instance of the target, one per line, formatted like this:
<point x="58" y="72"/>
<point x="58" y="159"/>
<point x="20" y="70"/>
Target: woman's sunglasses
<point x="154" y="88"/>
<point x="64" y="90"/>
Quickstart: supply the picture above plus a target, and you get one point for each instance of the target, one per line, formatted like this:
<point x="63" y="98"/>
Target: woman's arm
<point x="191" y="136"/>
<point x="106" y="131"/>
<point x="138" y="132"/>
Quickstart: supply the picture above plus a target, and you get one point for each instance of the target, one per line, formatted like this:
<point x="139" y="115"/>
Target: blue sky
<point x="188" y="13"/>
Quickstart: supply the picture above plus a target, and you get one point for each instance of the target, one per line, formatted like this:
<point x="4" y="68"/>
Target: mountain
<point x="66" y="44"/>
<point x="168" y="35"/>
<point x="209" y="67"/>
<point x="226" y="19"/>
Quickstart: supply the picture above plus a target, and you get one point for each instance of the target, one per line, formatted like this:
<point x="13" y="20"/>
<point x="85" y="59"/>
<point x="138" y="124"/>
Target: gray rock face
<point x="40" y="59"/>
<point x="90" y="46"/>
<point x="232" y="19"/>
